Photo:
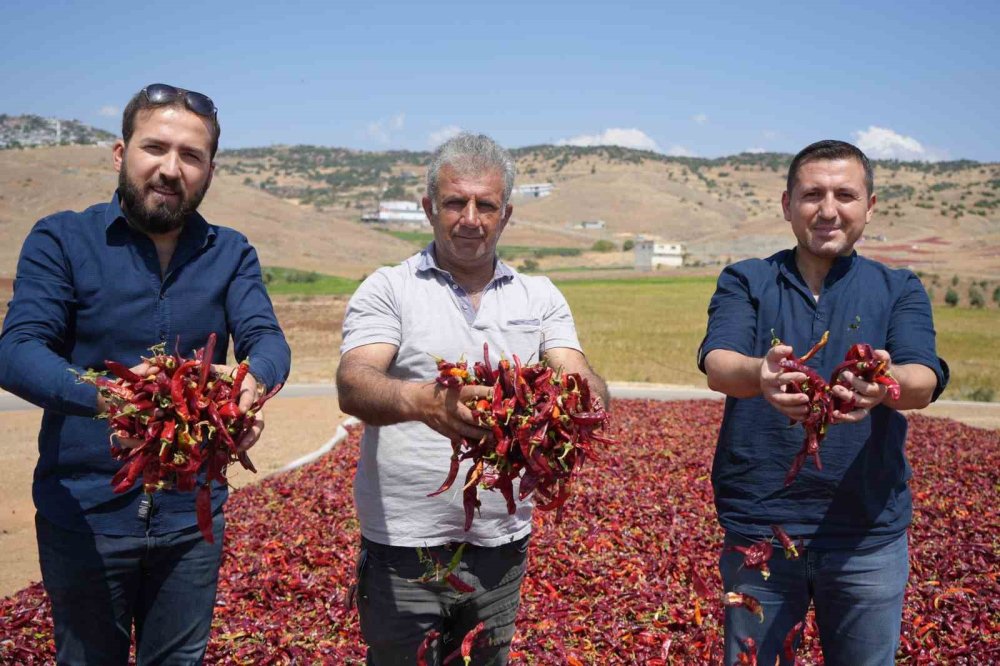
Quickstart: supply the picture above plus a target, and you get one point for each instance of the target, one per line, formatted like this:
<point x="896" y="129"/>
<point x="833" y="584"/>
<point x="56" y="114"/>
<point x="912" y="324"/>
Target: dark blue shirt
<point x="89" y="289"/>
<point x="861" y="497"/>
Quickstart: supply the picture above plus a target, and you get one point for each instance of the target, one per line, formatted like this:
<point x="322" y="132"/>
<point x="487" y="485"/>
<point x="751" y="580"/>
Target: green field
<point x="289" y="281"/>
<point x="648" y="330"/>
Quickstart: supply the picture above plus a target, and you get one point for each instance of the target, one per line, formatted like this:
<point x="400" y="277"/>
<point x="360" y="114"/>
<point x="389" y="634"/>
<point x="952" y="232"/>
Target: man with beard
<point x="851" y="515"/>
<point x="446" y="300"/>
<point x="107" y="284"/>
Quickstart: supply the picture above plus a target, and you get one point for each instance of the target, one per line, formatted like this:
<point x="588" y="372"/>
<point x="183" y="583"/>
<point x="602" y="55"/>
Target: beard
<point x="158" y="218"/>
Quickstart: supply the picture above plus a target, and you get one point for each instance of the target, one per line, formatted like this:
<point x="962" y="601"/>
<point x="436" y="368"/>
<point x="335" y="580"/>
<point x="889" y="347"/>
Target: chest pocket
<point x="522" y="337"/>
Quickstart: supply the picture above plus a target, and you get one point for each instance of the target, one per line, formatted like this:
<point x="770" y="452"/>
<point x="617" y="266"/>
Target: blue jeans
<point x="99" y="585"/>
<point x="858" y="594"/>
<point x="397" y="613"/>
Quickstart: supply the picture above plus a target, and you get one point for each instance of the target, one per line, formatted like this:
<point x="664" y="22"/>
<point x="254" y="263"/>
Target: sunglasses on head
<point x="161" y="93"/>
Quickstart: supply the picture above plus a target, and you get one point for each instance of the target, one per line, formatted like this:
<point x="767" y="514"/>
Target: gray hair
<point x="471" y="154"/>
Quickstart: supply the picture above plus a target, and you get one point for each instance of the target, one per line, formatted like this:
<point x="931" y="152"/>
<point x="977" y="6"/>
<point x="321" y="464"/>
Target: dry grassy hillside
<point x="37" y="182"/>
<point x="301" y="205"/>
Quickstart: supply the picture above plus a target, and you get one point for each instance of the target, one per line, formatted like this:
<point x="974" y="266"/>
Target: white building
<point x="650" y="254"/>
<point x="591" y="224"/>
<point x="533" y="190"/>
<point x="397" y="211"/>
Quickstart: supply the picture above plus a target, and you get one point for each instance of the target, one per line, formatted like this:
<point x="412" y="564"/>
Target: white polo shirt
<point x="419" y="308"/>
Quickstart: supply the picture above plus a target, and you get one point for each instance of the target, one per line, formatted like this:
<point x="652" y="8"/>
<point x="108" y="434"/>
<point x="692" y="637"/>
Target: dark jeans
<point x="858" y="595"/>
<point x="99" y="585"/>
<point x="396" y="613"/>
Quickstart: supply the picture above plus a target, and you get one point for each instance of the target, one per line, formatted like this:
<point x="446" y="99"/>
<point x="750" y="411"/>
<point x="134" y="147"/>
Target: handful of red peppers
<point x="185" y="415"/>
<point x="544" y="423"/>
<point x="859" y="360"/>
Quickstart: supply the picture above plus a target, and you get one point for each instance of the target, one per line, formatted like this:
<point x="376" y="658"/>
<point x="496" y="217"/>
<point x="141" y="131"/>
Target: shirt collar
<point x="841" y="266"/>
<point x="196" y="227"/>
<point x="427" y="262"/>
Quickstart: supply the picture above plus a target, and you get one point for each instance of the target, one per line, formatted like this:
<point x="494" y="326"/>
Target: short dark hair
<point x="140" y="102"/>
<point x="830" y="149"/>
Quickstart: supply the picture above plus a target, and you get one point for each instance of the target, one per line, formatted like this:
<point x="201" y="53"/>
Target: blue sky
<point x="913" y="80"/>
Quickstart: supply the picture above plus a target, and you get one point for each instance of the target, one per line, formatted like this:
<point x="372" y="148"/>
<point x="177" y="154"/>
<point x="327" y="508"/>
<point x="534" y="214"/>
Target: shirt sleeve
<point x="255" y="329"/>
<point x="372" y="314"/>
<point x="732" y="317"/>
<point x="910" y="337"/>
<point x="34" y="346"/>
<point x="558" y="327"/>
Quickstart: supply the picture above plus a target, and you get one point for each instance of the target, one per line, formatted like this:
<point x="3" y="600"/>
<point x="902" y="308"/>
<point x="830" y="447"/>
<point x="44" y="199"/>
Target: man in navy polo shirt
<point x="853" y="514"/>
<point x="107" y="284"/>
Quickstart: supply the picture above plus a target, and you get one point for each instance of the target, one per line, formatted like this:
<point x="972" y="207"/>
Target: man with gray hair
<point x="445" y="301"/>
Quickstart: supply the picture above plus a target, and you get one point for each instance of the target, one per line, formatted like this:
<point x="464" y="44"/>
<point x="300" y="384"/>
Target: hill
<point x="38" y="182"/>
<point x="934" y="217"/>
<point x="301" y="205"/>
<point x="29" y="130"/>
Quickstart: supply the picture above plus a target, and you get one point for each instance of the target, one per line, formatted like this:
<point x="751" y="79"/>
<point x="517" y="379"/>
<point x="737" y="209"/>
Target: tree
<point x="976" y="298"/>
<point x="529" y="265"/>
<point x="629" y="244"/>
<point x="951" y="298"/>
<point x="954" y="280"/>
<point x="603" y="246"/>
<point x="996" y="295"/>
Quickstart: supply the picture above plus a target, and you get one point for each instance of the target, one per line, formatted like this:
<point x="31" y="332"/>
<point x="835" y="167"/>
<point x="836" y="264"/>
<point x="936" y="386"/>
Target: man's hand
<point x="774" y="381"/>
<point x="249" y="392"/>
<point x="866" y="394"/>
<point x="443" y="409"/>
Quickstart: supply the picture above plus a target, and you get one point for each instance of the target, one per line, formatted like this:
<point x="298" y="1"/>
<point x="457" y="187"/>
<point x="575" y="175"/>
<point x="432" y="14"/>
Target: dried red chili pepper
<point x="756" y="556"/>
<point x="469" y="640"/>
<point x="789" y="643"/>
<point x="791" y="551"/>
<point x="749" y="602"/>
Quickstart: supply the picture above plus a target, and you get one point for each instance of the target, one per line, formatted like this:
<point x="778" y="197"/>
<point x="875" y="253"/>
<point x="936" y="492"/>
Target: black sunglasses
<point x="161" y="93"/>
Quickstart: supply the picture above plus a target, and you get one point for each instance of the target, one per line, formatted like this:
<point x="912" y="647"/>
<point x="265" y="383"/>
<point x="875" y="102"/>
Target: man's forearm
<point x="916" y="386"/>
<point x="377" y="399"/>
<point x="598" y="386"/>
<point x="733" y="373"/>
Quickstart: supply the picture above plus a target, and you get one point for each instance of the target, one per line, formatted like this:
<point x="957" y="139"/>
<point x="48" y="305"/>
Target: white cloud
<point x="701" y="118"/>
<point x="680" y="151"/>
<point x="382" y="129"/>
<point x="884" y="143"/>
<point x="437" y="137"/>
<point x="614" y="136"/>
<point x="108" y="111"/>
<point x="756" y="150"/>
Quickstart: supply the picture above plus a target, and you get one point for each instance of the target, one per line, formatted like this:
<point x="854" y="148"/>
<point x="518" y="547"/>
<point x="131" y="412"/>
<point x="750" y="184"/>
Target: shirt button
<point x="454" y="286"/>
<point x="819" y="316"/>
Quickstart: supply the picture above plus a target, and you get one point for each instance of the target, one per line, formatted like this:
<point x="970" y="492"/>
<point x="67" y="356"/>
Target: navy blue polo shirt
<point x="861" y="497"/>
<point x="89" y="289"/>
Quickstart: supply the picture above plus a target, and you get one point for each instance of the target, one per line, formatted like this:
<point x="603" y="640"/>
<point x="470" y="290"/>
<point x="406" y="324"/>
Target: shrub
<point x="976" y="298"/>
<point x="954" y="280"/>
<point x="951" y="298"/>
<point x="981" y="394"/>
<point x="629" y="244"/>
<point x="529" y="265"/>
<point x="603" y="246"/>
<point x="996" y="295"/>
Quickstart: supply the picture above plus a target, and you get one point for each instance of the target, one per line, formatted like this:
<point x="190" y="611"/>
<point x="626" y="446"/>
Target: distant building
<point x="397" y="211"/>
<point x="590" y="224"/>
<point x="650" y="254"/>
<point x="533" y="190"/>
